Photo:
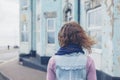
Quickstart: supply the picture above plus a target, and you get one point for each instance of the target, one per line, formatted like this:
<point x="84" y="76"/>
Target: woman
<point x="70" y="62"/>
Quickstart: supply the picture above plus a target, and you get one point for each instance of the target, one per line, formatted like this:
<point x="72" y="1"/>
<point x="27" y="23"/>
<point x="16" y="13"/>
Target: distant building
<point x="40" y="21"/>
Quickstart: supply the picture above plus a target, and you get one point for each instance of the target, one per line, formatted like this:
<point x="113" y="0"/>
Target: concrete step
<point x="33" y="62"/>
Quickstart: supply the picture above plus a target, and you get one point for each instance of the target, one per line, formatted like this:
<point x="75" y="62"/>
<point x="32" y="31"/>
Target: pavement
<point x="2" y="77"/>
<point x="13" y="70"/>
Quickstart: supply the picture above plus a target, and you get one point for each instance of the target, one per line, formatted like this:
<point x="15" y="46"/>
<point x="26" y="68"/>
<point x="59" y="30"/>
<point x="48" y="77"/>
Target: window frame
<point x="24" y="32"/>
<point x="51" y="30"/>
<point x="95" y="27"/>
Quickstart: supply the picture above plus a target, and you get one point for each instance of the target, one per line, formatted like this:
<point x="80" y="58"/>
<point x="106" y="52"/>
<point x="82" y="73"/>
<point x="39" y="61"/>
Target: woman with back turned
<point x="70" y="61"/>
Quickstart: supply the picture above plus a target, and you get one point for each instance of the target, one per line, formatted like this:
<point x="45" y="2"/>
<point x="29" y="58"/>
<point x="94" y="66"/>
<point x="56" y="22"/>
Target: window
<point x="67" y="11"/>
<point x="24" y="33"/>
<point x="50" y="24"/>
<point x="50" y="30"/>
<point x="94" y="23"/>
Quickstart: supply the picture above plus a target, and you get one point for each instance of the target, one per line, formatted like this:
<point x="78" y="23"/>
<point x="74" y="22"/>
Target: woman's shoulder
<point x="90" y="61"/>
<point x="89" y="58"/>
<point x="51" y="61"/>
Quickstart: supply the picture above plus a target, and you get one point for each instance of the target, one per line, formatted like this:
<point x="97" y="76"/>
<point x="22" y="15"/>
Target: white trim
<point x="95" y="50"/>
<point x="94" y="28"/>
<point x="53" y="24"/>
<point x="93" y="10"/>
<point x="52" y="30"/>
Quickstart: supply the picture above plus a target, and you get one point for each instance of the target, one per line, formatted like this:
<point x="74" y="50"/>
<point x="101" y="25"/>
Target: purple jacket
<point x="91" y="71"/>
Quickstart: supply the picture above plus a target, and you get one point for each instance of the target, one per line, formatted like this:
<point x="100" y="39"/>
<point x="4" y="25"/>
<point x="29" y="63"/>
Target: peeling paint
<point x="106" y="2"/>
<point x="112" y="52"/>
<point x="116" y="18"/>
<point x="112" y="24"/>
<point x="105" y="45"/>
<point x="103" y="32"/>
<point x="112" y="69"/>
<point x="118" y="8"/>
<point x="119" y="60"/>
<point x="109" y="4"/>
<point x="111" y="35"/>
<point x="118" y="44"/>
<point x="24" y="17"/>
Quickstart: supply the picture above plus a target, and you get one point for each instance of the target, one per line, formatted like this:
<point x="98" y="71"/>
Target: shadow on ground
<point x="2" y="77"/>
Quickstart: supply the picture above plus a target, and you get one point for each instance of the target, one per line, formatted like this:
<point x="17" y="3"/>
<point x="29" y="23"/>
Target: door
<point x="50" y="37"/>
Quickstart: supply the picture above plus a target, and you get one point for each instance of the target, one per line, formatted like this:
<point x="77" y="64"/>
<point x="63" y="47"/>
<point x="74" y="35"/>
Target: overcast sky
<point x="9" y="22"/>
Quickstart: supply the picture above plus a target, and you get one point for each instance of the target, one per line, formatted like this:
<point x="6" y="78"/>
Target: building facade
<point x="40" y="21"/>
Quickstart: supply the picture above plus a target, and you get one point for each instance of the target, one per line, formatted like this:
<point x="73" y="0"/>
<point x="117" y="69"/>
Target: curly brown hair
<point x="72" y="32"/>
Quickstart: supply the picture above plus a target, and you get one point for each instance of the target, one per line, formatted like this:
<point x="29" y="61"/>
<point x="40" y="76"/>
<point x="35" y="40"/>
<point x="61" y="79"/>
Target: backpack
<point x="71" y="67"/>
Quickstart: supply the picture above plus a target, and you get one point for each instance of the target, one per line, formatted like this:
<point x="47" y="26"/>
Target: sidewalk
<point x="15" y="71"/>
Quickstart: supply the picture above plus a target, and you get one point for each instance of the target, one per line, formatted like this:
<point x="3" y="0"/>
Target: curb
<point x="2" y="77"/>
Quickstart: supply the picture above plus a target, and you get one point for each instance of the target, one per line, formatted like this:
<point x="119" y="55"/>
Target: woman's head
<point x="72" y="32"/>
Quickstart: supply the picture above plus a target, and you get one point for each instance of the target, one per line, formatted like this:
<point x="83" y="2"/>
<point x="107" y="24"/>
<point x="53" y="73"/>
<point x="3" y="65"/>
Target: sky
<point x="9" y="22"/>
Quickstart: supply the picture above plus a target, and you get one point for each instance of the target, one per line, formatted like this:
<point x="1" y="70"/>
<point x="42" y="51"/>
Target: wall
<point x="116" y="39"/>
<point x="109" y="60"/>
<point x="107" y="47"/>
<point x="111" y="38"/>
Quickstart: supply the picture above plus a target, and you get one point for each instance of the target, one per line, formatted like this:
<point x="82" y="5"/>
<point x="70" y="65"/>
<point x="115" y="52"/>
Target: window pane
<point x="91" y="19"/>
<point x="98" y="37"/>
<point x="24" y="27"/>
<point x="24" y="36"/>
<point x="51" y="37"/>
<point x="50" y="24"/>
<point x="99" y="18"/>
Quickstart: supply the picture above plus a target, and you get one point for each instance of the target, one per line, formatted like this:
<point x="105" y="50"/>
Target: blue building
<point x="40" y="21"/>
